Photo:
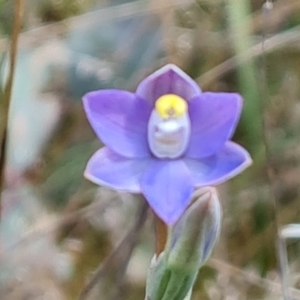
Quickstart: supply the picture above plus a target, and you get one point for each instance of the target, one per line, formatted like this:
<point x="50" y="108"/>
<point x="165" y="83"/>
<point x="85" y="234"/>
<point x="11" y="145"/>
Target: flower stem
<point x="6" y="95"/>
<point x="161" y="232"/>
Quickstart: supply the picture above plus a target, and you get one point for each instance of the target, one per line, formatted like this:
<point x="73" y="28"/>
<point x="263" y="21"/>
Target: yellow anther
<point x="170" y="106"/>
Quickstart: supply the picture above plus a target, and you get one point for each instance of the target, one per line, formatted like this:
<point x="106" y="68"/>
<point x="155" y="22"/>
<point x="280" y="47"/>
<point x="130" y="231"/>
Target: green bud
<point x="195" y="234"/>
<point x="172" y="274"/>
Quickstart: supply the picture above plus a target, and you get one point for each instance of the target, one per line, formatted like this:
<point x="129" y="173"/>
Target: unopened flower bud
<point x="195" y="234"/>
<point x="172" y="274"/>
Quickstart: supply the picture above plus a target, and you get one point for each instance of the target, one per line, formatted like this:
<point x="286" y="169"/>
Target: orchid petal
<point x="167" y="80"/>
<point x="120" y="120"/>
<point x="228" y="162"/>
<point x="109" y="169"/>
<point x="167" y="186"/>
<point x="214" y="117"/>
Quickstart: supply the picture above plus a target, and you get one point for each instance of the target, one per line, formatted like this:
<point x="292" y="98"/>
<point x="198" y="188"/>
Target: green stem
<point x="238" y="16"/>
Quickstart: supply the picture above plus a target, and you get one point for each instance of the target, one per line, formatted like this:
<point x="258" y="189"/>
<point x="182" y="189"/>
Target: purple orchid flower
<point x="164" y="140"/>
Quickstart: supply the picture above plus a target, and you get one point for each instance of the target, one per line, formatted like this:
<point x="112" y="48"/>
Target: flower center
<point x="170" y="105"/>
<point x="169" y="127"/>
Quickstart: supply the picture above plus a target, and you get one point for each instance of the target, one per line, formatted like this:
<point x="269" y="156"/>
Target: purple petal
<point x="167" y="186"/>
<point x="231" y="160"/>
<point x="168" y="80"/>
<point x="112" y="170"/>
<point x="214" y="117"/>
<point x="120" y="120"/>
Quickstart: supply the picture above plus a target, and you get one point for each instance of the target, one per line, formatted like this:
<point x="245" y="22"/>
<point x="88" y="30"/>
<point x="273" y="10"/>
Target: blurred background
<point x="57" y="228"/>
